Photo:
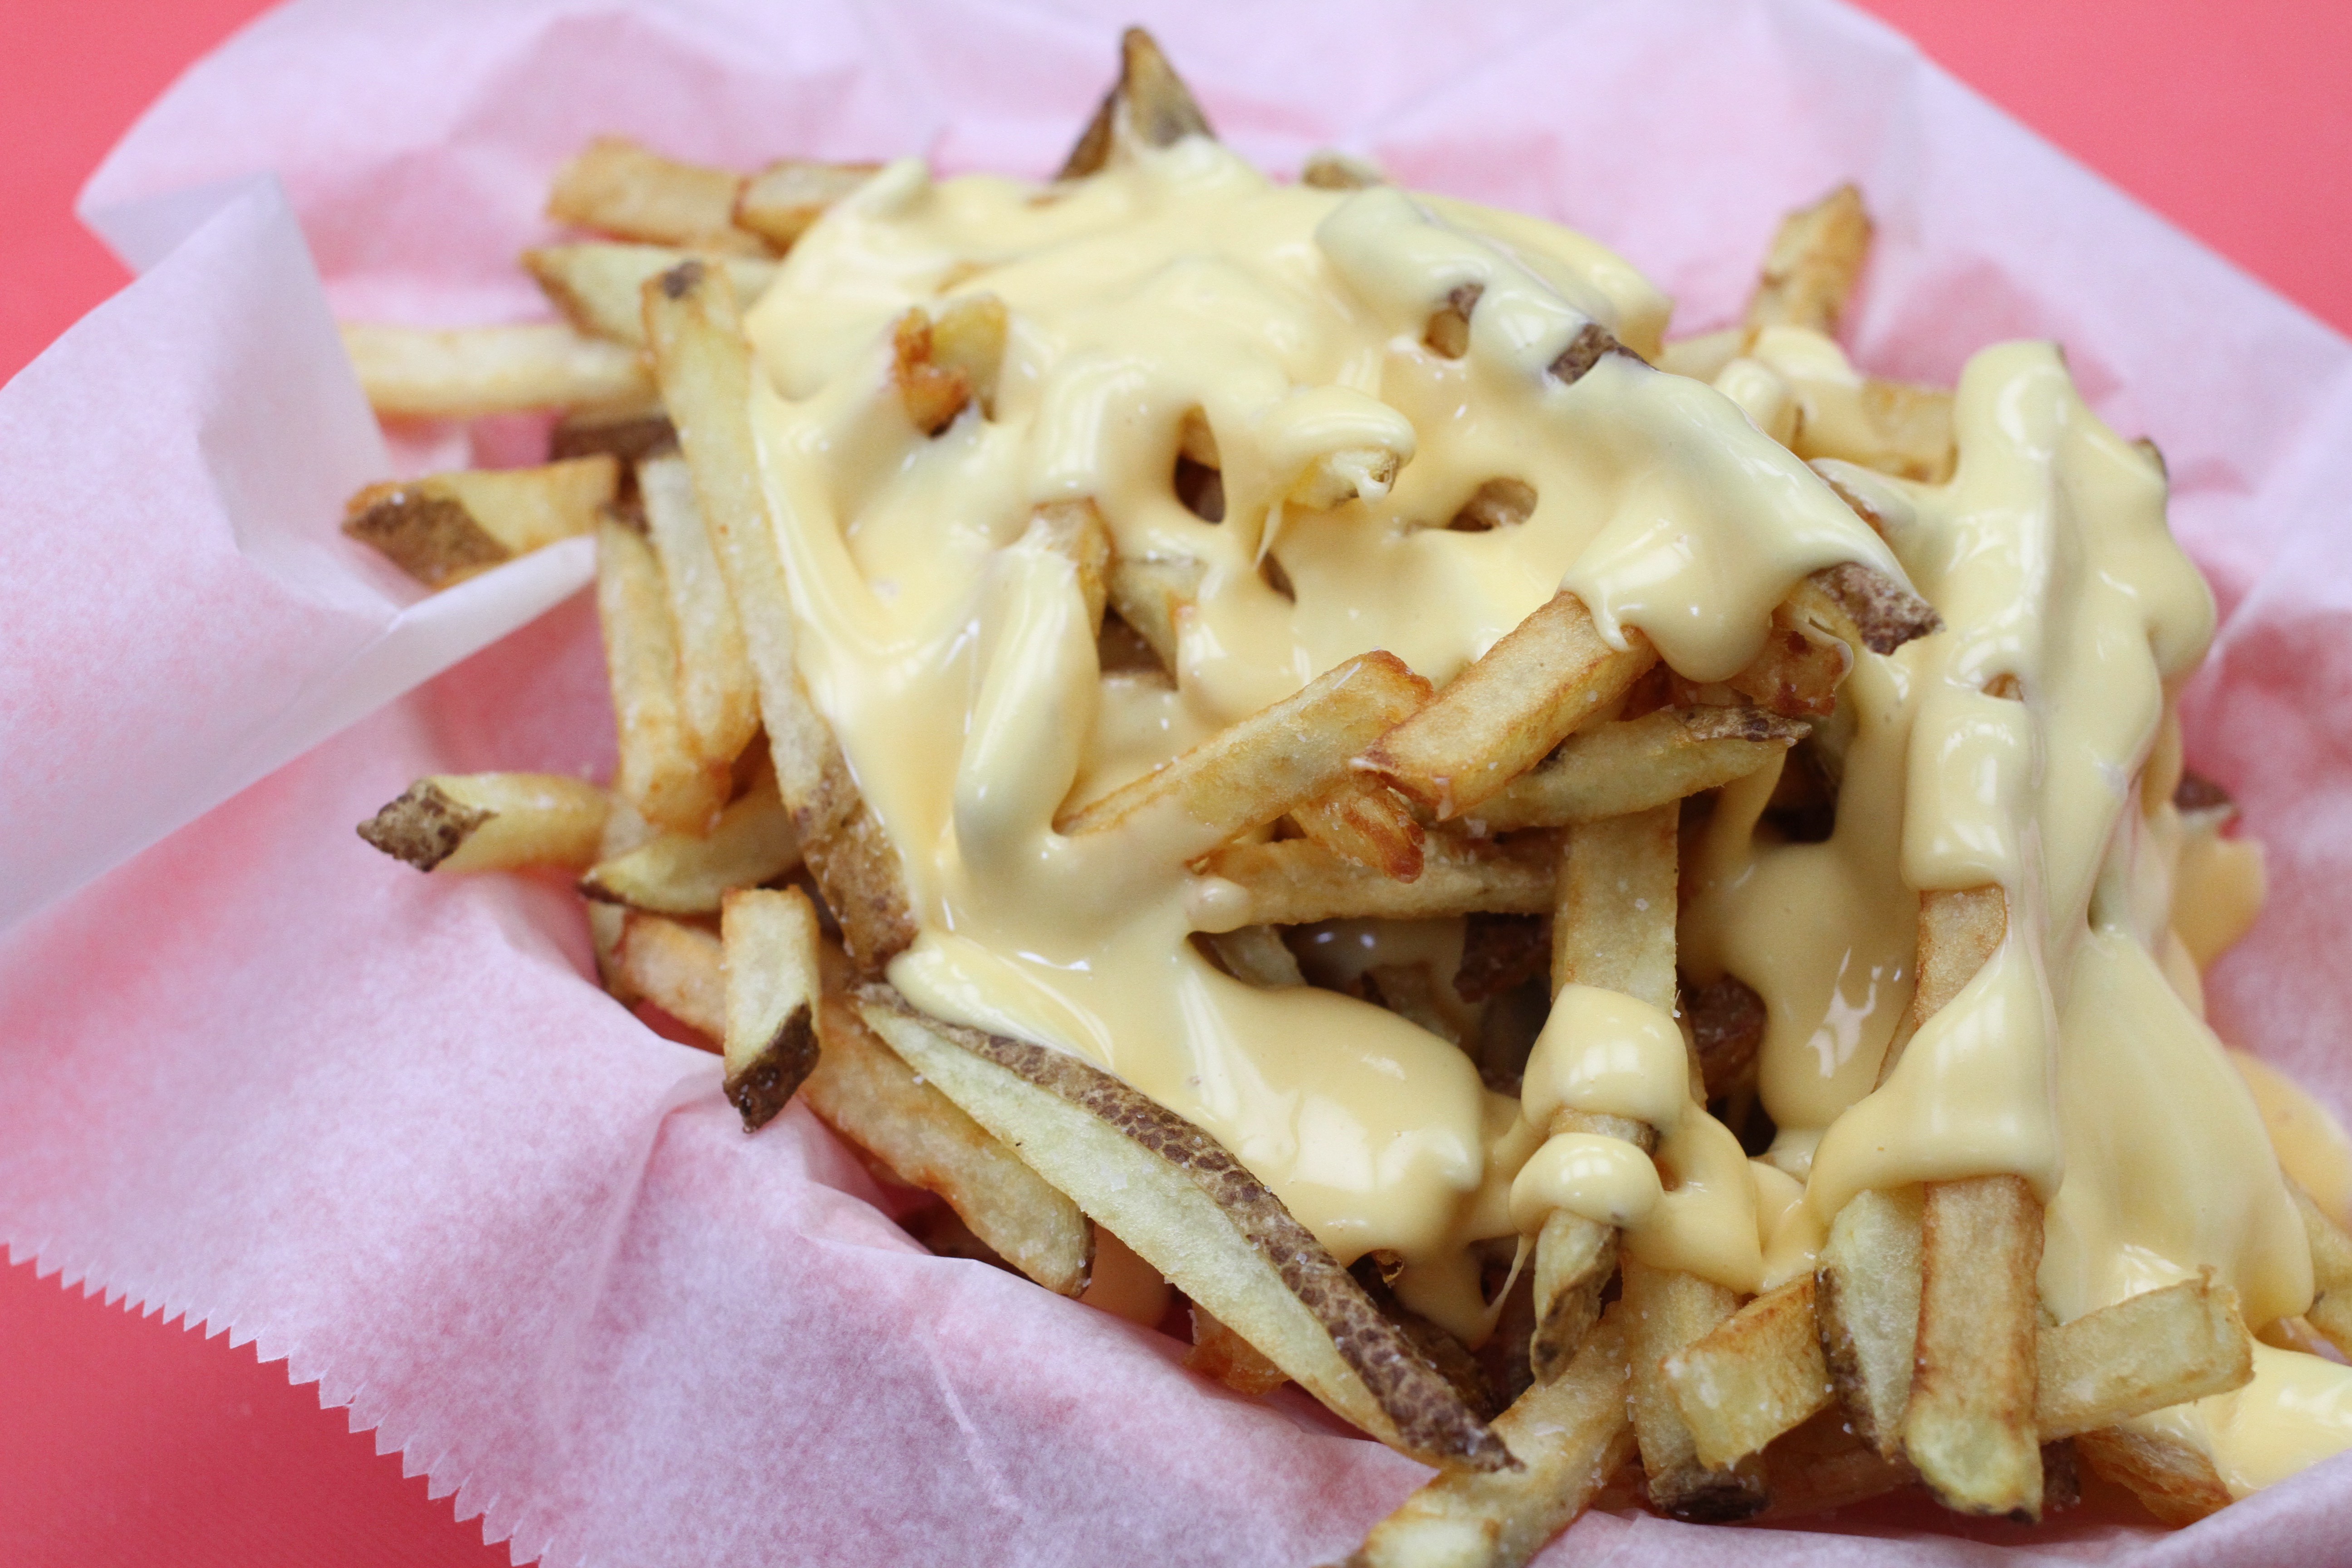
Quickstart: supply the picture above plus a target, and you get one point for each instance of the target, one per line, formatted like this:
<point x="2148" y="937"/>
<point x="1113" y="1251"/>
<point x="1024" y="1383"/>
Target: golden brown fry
<point x="1150" y="594"/>
<point x="780" y="202"/>
<point x="449" y="526"/>
<point x="1822" y="1465"/>
<point x="1575" y="1258"/>
<point x="1217" y="1352"/>
<point x="1799" y="670"/>
<point x="1149" y="106"/>
<point x="1255" y="955"/>
<point x="2160" y="1348"/>
<point x="628" y="435"/>
<point x="492" y="822"/>
<point x="1362" y="819"/>
<point x="1571" y="1435"/>
<point x="862" y="1090"/>
<point x="1866" y="1296"/>
<point x="1754" y="1376"/>
<point x="719" y="696"/>
<point x="769" y="941"/>
<point x="941" y="364"/>
<point x="1252" y="771"/>
<point x="1811" y="269"/>
<point x="705" y="370"/>
<point x="661" y="774"/>
<point x="412" y="373"/>
<point x="676" y="967"/>
<point x="1501" y="716"/>
<point x="621" y="188"/>
<point x="598" y="285"/>
<point x="1863" y="608"/>
<point x="2330" y="1312"/>
<point x="753" y="843"/>
<point x="1613" y="923"/>
<point x="1969" y="1428"/>
<point x="1189" y="1209"/>
<point x="1666" y="1311"/>
<point x="1298" y="881"/>
<point x="1891" y="427"/>
<point x="2171" y="1479"/>
<point x="1328" y="169"/>
<point x="1076" y="529"/>
<point x="1633" y="765"/>
<point x="1960" y="929"/>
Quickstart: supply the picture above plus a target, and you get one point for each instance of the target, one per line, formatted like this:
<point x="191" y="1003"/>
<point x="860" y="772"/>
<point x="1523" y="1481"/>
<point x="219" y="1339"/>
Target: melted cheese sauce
<point x="954" y="656"/>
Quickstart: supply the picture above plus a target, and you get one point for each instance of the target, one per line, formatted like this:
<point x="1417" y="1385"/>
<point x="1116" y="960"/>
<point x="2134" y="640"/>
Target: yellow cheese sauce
<point x="953" y="653"/>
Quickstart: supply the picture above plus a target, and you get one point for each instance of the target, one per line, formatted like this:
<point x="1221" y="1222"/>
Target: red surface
<point x="124" y="1440"/>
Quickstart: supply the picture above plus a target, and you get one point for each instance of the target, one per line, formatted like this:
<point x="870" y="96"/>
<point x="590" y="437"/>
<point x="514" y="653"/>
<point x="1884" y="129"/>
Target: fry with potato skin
<point x="1633" y="765"/>
<point x="1667" y="1312"/>
<point x="2159" y="1348"/>
<point x="1500" y="716"/>
<point x="768" y="940"/>
<point x="619" y="187"/>
<point x="752" y="842"/>
<point x="861" y="1090"/>
<point x="413" y="372"/>
<point x="598" y="285"/>
<point x="1149" y="105"/>
<point x="444" y="528"/>
<point x="1866" y="1300"/>
<point x="2330" y="1312"/>
<point x="660" y="773"/>
<point x="1297" y="881"/>
<point x="1757" y="1374"/>
<point x="492" y="822"/>
<point x="1191" y="1211"/>
<point x="1816" y="254"/>
<point x="1217" y="1352"/>
<point x="1255" y="770"/>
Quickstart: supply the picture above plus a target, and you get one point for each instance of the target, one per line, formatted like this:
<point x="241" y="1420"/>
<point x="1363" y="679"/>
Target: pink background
<point x="123" y="1440"/>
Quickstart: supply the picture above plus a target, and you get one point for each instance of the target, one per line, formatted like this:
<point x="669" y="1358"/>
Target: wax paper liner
<point x="253" y="1073"/>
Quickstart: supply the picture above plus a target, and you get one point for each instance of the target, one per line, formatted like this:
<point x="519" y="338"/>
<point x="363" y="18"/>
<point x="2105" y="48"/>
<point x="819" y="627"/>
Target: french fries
<point x="861" y="1089"/>
<point x="447" y="527"/>
<point x="409" y="372"/>
<point x="1435" y="854"/>
<point x="492" y="822"/>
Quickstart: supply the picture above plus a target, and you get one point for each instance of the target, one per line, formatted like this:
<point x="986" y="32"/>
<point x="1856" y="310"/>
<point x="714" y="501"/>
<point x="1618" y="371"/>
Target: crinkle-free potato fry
<point x="444" y="528"/>
<point x="780" y="202"/>
<point x="2330" y="1312"/>
<point x="1297" y="881"/>
<point x="2159" y="1348"/>
<point x="1252" y="771"/>
<point x="752" y="844"/>
<point x="1191" y="1211"/>
<point x="862" y="1090"/>
<point x="1571" y="1436"/>
<point x="1633" y="765"/>
<point x="492" y="822"/>
<point x="679" y="968"/>
<point x="718" y="694"/>
<point x="661" y="772"/>
<point x="1752" y="1377"/>
<point x="1498" y="718"/>
<point x="1969" y="1428"/>
<point x="1811" y="269"/>
<point x="415" y="372"/>
<point x="1217" y="1352"/>
<point x="2171" y="1479"/>
<point x="1363" y="820"/>
<point x="598" y="284"/>
<point x="1666" y="1311"/>
<point x="769" y="944"/>
<point x="1149" y="106"/>
<point x="618" y="187"/>
<point x="1866" y="1296"/>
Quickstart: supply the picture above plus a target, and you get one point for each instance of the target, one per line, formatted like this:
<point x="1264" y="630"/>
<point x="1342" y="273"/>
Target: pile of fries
<point x="742" y="888"/>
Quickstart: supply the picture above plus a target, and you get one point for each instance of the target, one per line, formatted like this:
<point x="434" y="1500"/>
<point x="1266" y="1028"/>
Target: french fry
<point x="1811" y="269"/>
<point x="598" y="285"/>
<point x="2147" y="1351"/>
<point x="1496" y="503"/>
<point x="1189" y="1209"/>
<point x="1297" y="881"/>
<point x="1863" y="609"/>
<point x="628" y="435"/>
<point x="1969" y="1428"/>
<point x="1499" y="954"/>
<point x="705" y="372"/>
<point x="1824" y="1465"/>
<point x="1905" y="430"/>
<point x="660" y="773"/>
<point x="941" y="364"/>
<point x="1328" y="169"/>
<point x="1255" y="955"/>
<point x="625" y="830"/>
<point x="753" y="843"/>
<point x="719" y="696"/>
<point x="492" y="822"/>
<point x="780" y="202"/>
<point x="2172" y="1480"/>
<point x="1362" y="819"/>
<point x="1501" y="716"/>
<point x="1149" y="106"/>
<point x="1757" y="1374"/>
<point x="2330" y="1313"/>
<point x="1254" y="770"/>
<point x="1410" y="991"/>
<point x="1150" y="594"/>
<point x="618" y="187"/>
<point x="411" y="373"/>
<point x="1217" y="1352"/>
<point x="768" y="940"/>
<point x="862" y="1090"/>
<point x="1727" y="1019"/>
<point x="678" y="968"/>
<point x="1570" y="1437"/>
<point x="1866" y="1296"/>
<point x="1612" y="926"/>
<point x="1799" y="670"/>
<point x="1633" y="765"/>
<point x="1665" y="1313"/>
<point x="1076" y="529"/>
<point x="447" y="527"/>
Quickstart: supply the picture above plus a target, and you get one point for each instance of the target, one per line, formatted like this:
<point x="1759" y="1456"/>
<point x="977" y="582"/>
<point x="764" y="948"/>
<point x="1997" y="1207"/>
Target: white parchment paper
<point x="253" y="1072"/>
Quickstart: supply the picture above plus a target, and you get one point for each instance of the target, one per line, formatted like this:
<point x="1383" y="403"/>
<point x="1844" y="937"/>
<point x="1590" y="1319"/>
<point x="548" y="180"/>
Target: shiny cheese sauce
<point x="954" y="655"/>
